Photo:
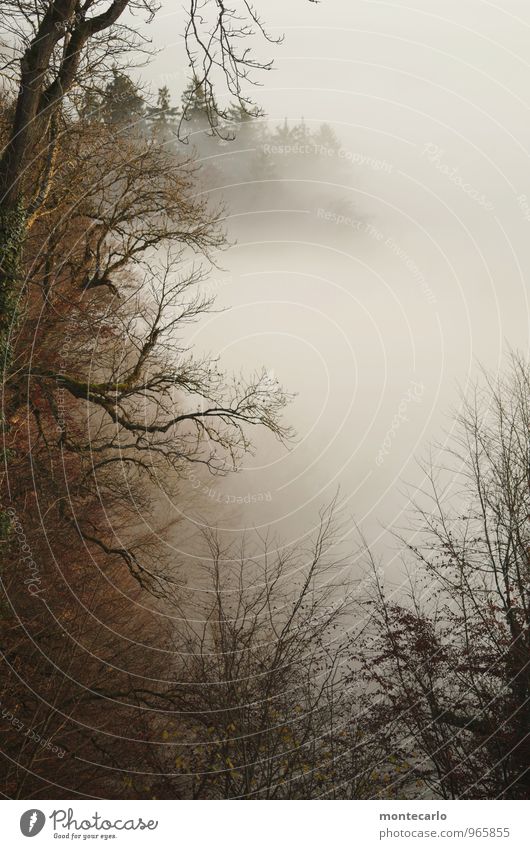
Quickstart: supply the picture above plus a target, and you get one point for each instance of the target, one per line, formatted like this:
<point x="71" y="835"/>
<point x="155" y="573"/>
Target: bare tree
<point x="244" y="692"/>
<point x="259" y="707"/>
<point x="113" y="278"/>
<point x="449" y="669"/>
<point x="104" y="402"/>
<point x="53" y="49"/>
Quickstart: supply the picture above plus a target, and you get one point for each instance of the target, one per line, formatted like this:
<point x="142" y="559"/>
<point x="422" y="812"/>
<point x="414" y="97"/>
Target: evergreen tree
<point x="161" y="118"/>
<point x="239" y="116"/>
<point x="301" y="134"/>
<point x="198" y="108"/>
<point x="326" y="137"/>
<point x="123" y="104"/>
<point x="90" y="108"/>
<point x="283" y="134"/>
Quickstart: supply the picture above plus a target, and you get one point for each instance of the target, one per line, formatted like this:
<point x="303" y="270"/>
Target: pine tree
<point x="161" y="118"/>
<point x="90" y="108"/>
<point x="239" y="116"/>
<point x="326" y="137"/>
<point x="123" y="104"/>
<point x="199" y="107"/>
<point x="283" y="134"/>
<point x="300" y="133"/>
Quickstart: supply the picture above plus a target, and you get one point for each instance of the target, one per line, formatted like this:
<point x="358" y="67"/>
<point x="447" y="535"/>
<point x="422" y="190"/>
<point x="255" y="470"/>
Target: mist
<point x="265" y="504"/>
<point x="374" y="279"/>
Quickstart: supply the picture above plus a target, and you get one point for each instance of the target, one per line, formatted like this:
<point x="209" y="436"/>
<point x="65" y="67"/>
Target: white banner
<point x="282" y="825"/>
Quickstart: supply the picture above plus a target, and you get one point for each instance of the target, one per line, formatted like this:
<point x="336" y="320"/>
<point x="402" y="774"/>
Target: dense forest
<point x="295" y="671"/>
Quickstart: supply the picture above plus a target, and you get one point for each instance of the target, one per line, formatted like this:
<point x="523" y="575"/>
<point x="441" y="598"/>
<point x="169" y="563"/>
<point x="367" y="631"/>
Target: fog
<point x="375" y="299"/>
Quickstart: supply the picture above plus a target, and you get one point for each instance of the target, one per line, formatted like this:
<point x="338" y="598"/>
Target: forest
<point x="295" y="670"/>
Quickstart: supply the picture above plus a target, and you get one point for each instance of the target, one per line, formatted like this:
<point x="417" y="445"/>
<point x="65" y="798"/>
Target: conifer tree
<point x="123" y="104"/>
<point x="162" y="117"/>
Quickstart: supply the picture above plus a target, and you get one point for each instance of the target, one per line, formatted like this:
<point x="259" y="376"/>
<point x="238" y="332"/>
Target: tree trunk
<point x="12" y="236"/>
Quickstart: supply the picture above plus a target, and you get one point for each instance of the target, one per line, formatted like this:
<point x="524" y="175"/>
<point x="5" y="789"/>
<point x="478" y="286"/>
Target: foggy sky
<point x="439" y="92"/>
